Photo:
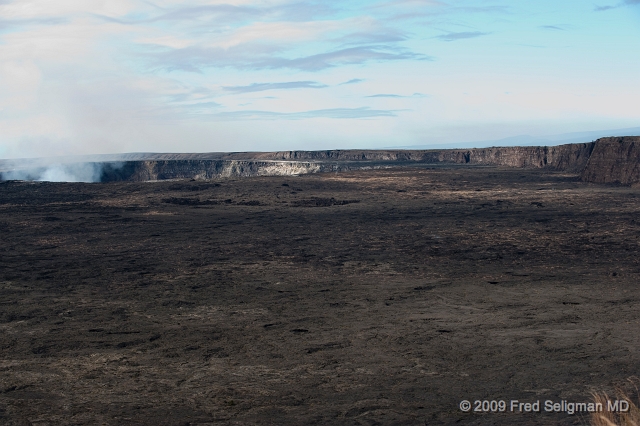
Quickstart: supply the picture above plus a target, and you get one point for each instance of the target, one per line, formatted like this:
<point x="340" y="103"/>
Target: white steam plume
<point x="71" y="172"/>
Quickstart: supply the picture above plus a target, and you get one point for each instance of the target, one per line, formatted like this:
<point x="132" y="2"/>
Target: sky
<point x="98" y="77"/>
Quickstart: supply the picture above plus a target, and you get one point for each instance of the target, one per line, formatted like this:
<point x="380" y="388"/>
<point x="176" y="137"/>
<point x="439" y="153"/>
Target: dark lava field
<point x="375" y="297"/>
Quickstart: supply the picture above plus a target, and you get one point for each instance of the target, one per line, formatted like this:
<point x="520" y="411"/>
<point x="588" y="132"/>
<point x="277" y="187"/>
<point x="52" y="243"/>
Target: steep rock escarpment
<point x="614" y="160"/>
<point x="608" y="160"/>
<point x="206" y="169"/>
<point x="570" y="157"/>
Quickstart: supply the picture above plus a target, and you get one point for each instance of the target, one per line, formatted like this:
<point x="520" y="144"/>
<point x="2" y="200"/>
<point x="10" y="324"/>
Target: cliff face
<point x="205" y="169"/>
<point x="614" y="160"/>
<point x="608" y="160"/>
<point x="571" y="157"/>
<point x="565" y="157"/>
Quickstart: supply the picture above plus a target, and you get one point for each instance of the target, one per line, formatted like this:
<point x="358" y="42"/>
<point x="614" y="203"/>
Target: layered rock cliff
<point x="607" y="160"/>
<point x="150" y="170"/>
<point x="571" y="157"/>
<point x="614" y="160"/>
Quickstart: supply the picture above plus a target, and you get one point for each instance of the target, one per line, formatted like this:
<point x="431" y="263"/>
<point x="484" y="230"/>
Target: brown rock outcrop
<point x="204" y="169"/>
<point x="614" y="160"/>
<point x="571" y="157"/>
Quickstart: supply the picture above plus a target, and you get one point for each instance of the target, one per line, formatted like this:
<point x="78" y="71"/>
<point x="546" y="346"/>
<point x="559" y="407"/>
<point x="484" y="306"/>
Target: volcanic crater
<point x="384" y="291"/>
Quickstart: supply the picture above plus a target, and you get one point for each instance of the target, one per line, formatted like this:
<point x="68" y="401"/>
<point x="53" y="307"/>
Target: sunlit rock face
<point x="206" y="169"/>
<point x="614" y="160"/>
<point x="571" y="157"/>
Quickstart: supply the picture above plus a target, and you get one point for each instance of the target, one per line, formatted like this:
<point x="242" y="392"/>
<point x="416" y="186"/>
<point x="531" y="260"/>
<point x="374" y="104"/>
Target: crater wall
<point x="150" y="170"/>
<point x="607" y="160"/>
<point x="572" y="157"/>
<point x="614" y="160"/>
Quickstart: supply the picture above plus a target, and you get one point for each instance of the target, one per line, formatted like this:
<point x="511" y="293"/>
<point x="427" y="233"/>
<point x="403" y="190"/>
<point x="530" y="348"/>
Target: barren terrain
<point x="359" y="298"/>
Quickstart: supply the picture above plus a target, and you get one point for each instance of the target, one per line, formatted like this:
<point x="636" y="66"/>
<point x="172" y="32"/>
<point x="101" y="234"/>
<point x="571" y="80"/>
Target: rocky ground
<point x="360" y="298"/>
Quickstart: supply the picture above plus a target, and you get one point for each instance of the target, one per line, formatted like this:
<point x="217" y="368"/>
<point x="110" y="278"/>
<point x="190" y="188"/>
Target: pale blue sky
<point x="199" y="76"/>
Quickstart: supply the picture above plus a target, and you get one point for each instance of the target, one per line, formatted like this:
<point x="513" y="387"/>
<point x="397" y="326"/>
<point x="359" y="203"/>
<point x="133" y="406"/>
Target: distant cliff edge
<point x="607" y="160"/>
<point x="614" y="160"/>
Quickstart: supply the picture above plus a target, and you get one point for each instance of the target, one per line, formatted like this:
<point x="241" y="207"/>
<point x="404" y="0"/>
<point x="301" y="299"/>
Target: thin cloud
<point x="12" y="23"/>
<point x="392" y="95"/>
<point x="624" y="3"/>
<point x="552" y="27"/>
<point x="377" y="37"/>
<point x="483" y="9"/>
<point x="336" y="113"/>
<point x="194" y="94"/>
<point x="194" y="59"/>
<point x="228" y="13"/>
<point x="260" y="87"/>
<point x="603" y="8"/>
<point x="218" y="11"/>
<point x="460" y="36"/>
<point x="201" y="105"/>
<point x="192" y="15"/>
<point x="349" y="56"/>
<point x="352" y="81"/>
<point x="303" y="11"/>
<point x="410" y="5"/>
<point x="421" y="9"/>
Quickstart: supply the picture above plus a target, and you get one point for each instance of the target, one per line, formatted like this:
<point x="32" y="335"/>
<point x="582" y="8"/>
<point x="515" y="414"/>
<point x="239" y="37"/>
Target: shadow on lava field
<point x="369" y="297"/>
